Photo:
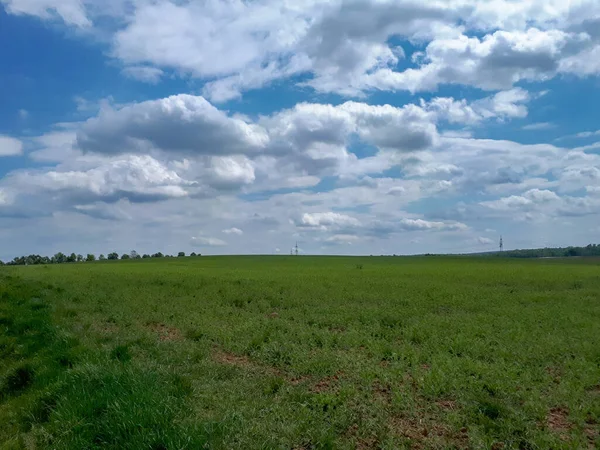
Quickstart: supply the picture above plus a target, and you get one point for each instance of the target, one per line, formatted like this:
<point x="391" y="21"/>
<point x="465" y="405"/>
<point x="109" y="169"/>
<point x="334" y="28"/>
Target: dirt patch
<point x="594" y="389"/>
<point x="498" y="445"/>
<point x="382" y="391"/>
<point x="105" y="327"/>
<point x="425" y="366"/>
<point x="231" y="359"/>
<point x="558" y="421"/>
<point x="592" y="431"/>
<point x="273" y="315"/>
<point x="447" y="405"/>
<point x="428" y="433"/>
<point x="555" y="373"/>
<point x="360" y="442"/>
<point x="327" y="384"/>
<point x="164" y="332"/>
<point x="296" y="380"/>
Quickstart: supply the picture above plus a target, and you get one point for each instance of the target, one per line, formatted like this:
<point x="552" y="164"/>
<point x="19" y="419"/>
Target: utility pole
<point x="296" y="248"/>
<point x="501" y="244"/>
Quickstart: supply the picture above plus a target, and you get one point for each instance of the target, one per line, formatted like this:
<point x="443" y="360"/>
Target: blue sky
<point x="352" y="127"/>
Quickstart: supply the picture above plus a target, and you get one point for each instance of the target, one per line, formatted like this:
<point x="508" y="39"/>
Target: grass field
<point x="300" y="353"/>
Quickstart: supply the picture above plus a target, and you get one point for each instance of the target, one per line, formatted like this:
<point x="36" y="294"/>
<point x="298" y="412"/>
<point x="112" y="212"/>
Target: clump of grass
<point x="121" y="353"/>
<point x="17" y="379"/>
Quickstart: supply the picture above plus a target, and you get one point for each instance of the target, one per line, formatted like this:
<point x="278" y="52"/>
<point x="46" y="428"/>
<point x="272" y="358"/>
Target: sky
<point x="347" y="126"/>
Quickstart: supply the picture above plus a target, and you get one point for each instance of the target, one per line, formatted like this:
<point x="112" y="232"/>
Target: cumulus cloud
<point x="182" y="124"/>
<point x="345" y="46"/>
<point x="10" y="146"/>
<point x="138" y="178"/>
<point x="325" y="220"/>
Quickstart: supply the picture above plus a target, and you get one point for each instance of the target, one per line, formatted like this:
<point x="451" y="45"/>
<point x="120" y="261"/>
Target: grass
<point x="300" y="353"/>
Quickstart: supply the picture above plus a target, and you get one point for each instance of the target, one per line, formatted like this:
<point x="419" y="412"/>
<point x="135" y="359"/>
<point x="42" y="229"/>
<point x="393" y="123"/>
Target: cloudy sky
<point x="350" y="126"/>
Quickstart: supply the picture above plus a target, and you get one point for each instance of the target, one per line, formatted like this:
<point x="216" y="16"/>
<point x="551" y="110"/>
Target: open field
<point x="301" y="352"/>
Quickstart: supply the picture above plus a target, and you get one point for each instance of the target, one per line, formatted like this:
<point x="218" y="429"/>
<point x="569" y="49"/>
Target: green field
<point x="301" y="353"/>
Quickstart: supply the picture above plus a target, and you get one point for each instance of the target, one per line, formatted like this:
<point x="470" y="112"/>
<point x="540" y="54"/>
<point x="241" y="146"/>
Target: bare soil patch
<point x="164" y="332"/>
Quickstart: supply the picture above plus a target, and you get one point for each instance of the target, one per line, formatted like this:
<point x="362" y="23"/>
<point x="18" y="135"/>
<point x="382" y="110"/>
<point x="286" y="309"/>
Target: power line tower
<point x="296" y="248"/>
<point x="501" y="244"/>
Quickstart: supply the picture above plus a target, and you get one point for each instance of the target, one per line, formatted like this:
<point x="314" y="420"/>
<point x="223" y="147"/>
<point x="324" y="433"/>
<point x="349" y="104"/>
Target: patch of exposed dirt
<point x="273" y="315"/>
<point x="425" y="366"/>
<point x="447" y="405"/>
<point x="296" y="380"/>
<point x="594" y="389"/>
<point x="555" y="373"/>
<point x="164" y="332"/>
<point x="592" y="431"/>
<point x="498" y="445"/>
<point x="231" y="359"/>
<point x="383" y="391"/>
<point x="361" y="443"/>
<point x="428" y="433"/>
<point x="105" y="327"/>
<point x="558" y="421"/>
<point x="327" y="384"/>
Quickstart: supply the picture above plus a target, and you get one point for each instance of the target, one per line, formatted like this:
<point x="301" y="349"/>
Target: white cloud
<point x="71" y="12"/>
<point x="10" y="146"/>
<point x="207" y="242"/>
<point x="182" y="124"/>
<point x="138" y="178"/>
<point x="146" y="74"/>
<point x="324" y="220"/>
<point x="485" y="241"/>
<point x="23" y="114"/>
<point x="233" y="230"/>
<point x="538" y="126"/>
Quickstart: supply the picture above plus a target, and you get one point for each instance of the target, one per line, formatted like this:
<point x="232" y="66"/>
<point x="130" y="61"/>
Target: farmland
<point x="300" y="353"/>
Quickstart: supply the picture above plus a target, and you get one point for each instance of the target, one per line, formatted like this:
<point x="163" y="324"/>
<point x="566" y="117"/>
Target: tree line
<point x="62" y="258"/>
<point x="555" y="252"/>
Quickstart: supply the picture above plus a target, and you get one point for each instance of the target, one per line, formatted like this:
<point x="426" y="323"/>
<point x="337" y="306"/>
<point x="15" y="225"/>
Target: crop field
<point x="301" y="353"/>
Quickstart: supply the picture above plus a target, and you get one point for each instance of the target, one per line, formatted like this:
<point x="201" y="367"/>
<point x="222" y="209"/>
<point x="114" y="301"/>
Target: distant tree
<point x="113" y="255"/>
<point x="59" y="258"/>
<point x="102" y="257"/>
<point x="72" y="258"/>
<point x="1" y="262"/>
<point x="193" y="254"/>
<point x="134" y="255"/>
<point x="125" y="256"/>
<point x="146" y="256"/>
<point x="180" y="254"/>
<point x="79" y="258"/>
<point x="90" y="258"/>
<point x="158" y="255"/>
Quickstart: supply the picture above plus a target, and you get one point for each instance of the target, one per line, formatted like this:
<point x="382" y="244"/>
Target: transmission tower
<point x="501" y="244"/>
<point x="296" y="248"/>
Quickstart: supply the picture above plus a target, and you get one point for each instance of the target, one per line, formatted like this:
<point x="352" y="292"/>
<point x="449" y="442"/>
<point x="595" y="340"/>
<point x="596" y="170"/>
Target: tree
<point x="72" y="258"/>
<point x="102" y="257"/>
<point x="193" y="254"/>
<point x="113" y="255"/>
<point x="146" y="256"/>
<point x="180" y="254"/>
<point x="125" y="256"/>
<point x="59" y="258"/>
<point x="90" y="258"/>
<point x="79" y="258"/>
<point x="158" y="255"/>
<point x="134" y="255"/>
